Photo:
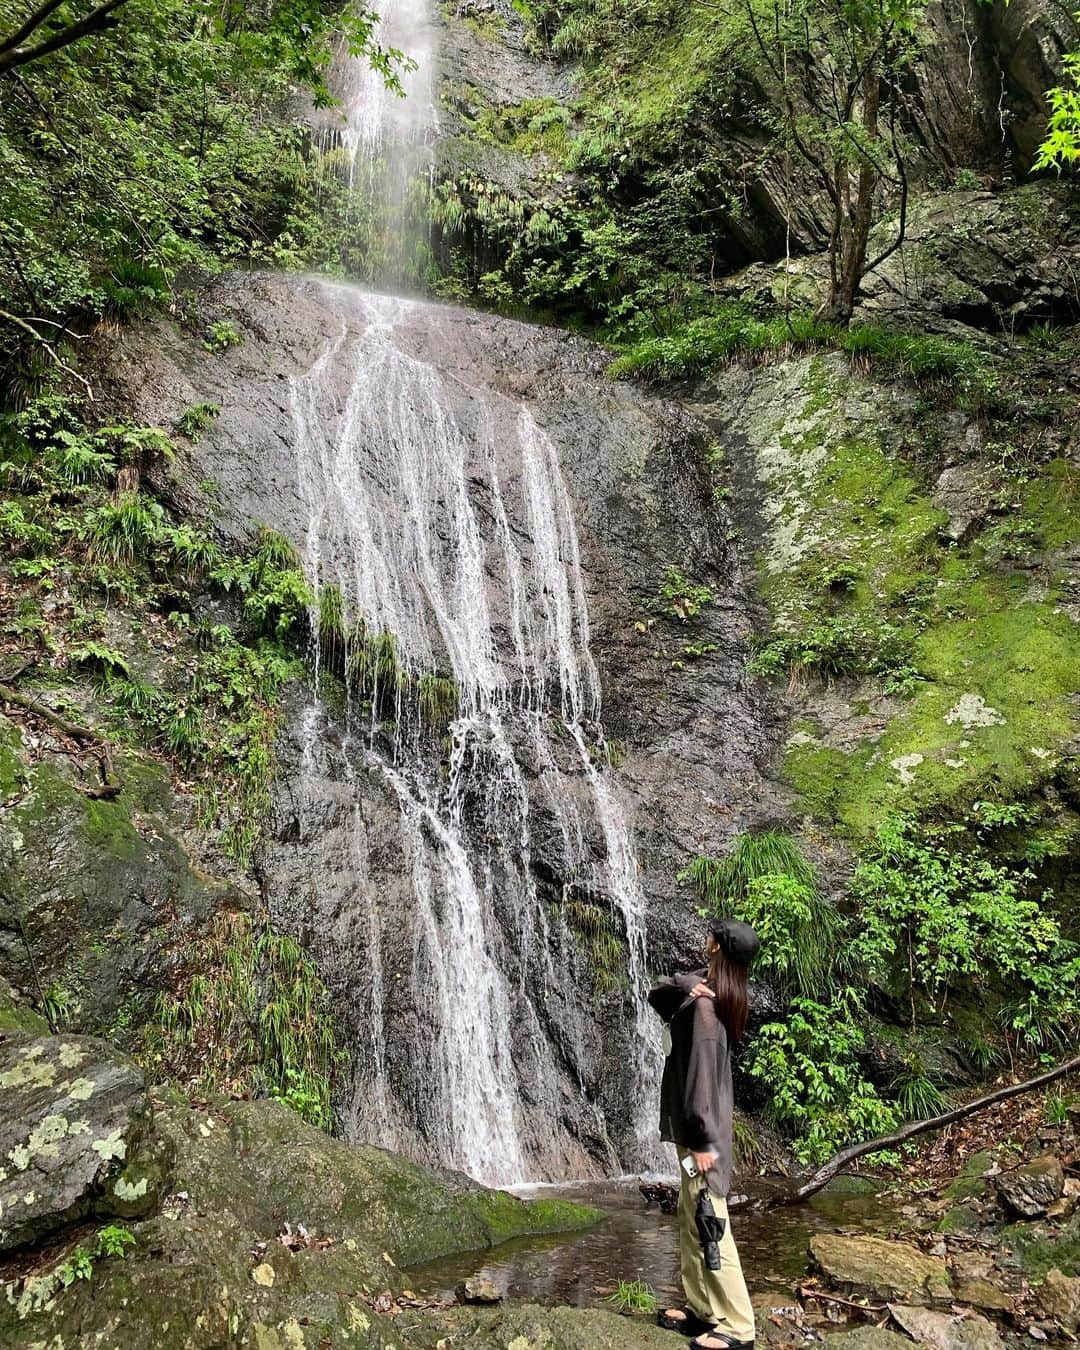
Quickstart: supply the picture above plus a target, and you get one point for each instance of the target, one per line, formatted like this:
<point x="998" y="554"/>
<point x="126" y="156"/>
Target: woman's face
<point x="711" y="947"/>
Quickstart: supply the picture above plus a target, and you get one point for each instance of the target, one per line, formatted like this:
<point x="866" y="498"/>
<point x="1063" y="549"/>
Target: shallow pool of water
<point x="638" y="1242"/>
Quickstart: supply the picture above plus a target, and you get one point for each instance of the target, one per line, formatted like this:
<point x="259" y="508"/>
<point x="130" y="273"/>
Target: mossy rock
<point x="971" y="1180"/>
<point x="95" y="890"/>
<point x="208" y="1269"/>
<point x="1038" y="1248"/>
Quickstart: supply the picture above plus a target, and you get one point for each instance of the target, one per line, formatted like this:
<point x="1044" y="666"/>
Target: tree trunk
<point x="855" y="233"/>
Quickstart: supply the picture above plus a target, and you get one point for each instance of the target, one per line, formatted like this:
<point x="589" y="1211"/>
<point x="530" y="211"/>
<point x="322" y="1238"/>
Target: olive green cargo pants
<point x="717" y="1296"/>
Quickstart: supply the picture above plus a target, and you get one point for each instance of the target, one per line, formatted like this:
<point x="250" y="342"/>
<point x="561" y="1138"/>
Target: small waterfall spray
<point x="379" y="143"/>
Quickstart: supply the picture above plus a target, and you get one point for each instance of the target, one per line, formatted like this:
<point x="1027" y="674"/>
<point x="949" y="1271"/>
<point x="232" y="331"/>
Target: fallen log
<point x="816" y="1181"/>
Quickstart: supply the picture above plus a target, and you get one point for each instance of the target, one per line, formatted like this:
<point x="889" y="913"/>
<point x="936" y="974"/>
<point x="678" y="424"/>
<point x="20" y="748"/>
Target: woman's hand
<point x="703" y="990"/>
<point x="703" y="1161"/>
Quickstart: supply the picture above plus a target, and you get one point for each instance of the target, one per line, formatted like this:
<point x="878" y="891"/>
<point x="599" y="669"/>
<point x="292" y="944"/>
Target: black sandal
<point x="687" y="1324"/>
<point x="714" y="1335"/>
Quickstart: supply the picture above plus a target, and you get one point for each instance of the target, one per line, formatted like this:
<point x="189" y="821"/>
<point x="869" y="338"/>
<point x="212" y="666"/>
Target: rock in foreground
<point x="1030" y="1191"/>
<point x="72" y="1112"/>
<point x="895" y="1272"/>
<point x="272" y="1235"/>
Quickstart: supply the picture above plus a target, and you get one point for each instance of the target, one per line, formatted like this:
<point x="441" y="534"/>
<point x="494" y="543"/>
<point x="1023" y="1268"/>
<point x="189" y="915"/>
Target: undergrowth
<point x="931" y="918"/>
<point x="733" y="331"/>
<point x="81" y="527"/>
<point x="247" y="1017"/>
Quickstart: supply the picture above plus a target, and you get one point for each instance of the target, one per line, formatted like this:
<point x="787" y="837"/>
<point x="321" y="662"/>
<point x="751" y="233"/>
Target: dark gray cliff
<point x="691" y="737"/>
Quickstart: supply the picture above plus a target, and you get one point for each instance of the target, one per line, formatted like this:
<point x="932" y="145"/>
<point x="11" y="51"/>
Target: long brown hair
<point x="728" y="980"/>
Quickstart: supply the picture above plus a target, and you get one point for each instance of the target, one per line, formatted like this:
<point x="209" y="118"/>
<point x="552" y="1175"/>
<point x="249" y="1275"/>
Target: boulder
<point x="946" y="1330"/>
<point x="1030" y="1190"/>
<point x="1060" y="1299"/>
<point x="72" y="1112"/>
<point x="868" y="1338"/>
<point x="478" y="1289"/>
<point x="980" y="1293"/>
<point x="276" y="1236"/>
<point x="894" y="1271"/>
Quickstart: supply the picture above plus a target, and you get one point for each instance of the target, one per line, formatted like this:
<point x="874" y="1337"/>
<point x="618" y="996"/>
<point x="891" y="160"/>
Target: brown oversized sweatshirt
<point x="696" y="1094"/>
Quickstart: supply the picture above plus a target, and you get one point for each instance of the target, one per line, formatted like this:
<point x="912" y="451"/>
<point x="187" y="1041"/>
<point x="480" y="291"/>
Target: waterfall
<point x="380" y="143"/>
<point x="441" y="536"/>
<point x="439" y="518"/>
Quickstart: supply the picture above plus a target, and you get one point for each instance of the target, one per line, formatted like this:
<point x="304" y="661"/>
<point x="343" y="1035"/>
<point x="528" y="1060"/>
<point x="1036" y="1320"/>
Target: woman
<point x="706" y="1014"/>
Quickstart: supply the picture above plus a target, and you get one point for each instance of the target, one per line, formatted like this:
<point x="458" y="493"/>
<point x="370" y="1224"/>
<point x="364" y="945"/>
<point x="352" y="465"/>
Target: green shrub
<point x="679" y="598"/>
<point x="121" y="530"/>
<point x="634" y="1296"/>
<point x="936" y="914"/>
<point x="766" y="881"/>
<point x="221" y="335"/>
<point x="596" y="934"/>
<point x="924" y="358"/>
<point x="808" y="1062"/>
<point x="705" y="343"/>
<point x="193" y="421"/>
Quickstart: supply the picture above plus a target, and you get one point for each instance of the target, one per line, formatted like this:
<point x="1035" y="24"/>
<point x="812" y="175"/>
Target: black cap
<point x="737" y="940"/>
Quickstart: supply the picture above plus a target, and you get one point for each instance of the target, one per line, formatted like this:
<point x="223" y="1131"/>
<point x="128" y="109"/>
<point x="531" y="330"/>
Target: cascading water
<point x="379" y="142"/>
<point x="448" y="543"/>
<point x="442" y="539"/>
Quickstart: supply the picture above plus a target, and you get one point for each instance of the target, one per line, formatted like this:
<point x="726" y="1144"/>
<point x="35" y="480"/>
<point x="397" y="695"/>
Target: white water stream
<point x="456" y="535"/>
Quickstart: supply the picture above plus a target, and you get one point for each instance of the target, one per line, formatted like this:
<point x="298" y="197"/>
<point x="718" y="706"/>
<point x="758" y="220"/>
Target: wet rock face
<point x="1030" y="1190"/>
<point x="692" y="738"/>
<point x="73" y="1111"/>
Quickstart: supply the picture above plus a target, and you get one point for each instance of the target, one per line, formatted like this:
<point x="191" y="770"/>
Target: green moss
<point x="1039" y="1250"/>
<point x="536" y="126"/>
<point x="862" y="582"/>
<point x="505" y="1217"/>
<point x="18" y="1019"/>
<point x="12" y="768"/>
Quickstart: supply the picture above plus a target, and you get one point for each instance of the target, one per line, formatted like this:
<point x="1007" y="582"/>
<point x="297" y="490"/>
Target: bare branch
<point x="25" y="327"/>
<point x="819" y="1179"/>
<point x="36" y="19"/>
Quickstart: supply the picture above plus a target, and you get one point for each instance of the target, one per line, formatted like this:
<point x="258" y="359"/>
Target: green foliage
<point x="437" y="698"/>
<point x="112" y="1240"/>
<point x="173" y="140"/>
<point x="221" y="335"/>
<point x="193" y="421"/>
<point x="249" y="1017"/>
<point x="726" y="882"/>
<point x="596" y="934"/>
<point x="1057" y="1107"/>
<point x="809" y="1063"/>
<point x="633" y="1296"/>
<point x="119" y="531"/>
<point x="917" y="1094"/>
<point x="1061" y="147"/>
<point x="926" y="359"/>
<point x="766" y="881"/>
<point x="935" y="915"/>
<point x="730" y="331"/>
<point x="680" y="598"/>
<point x="839" y="644"/>
<point x="733" y="330"/>
<point x="217" y="717"/>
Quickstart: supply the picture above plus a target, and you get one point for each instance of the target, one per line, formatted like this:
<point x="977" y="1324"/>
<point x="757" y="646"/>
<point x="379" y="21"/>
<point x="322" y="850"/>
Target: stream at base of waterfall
<point x="441" y="539"/>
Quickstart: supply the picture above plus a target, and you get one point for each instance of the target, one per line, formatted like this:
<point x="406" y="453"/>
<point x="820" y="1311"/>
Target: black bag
<point x="710" y="1229"/>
